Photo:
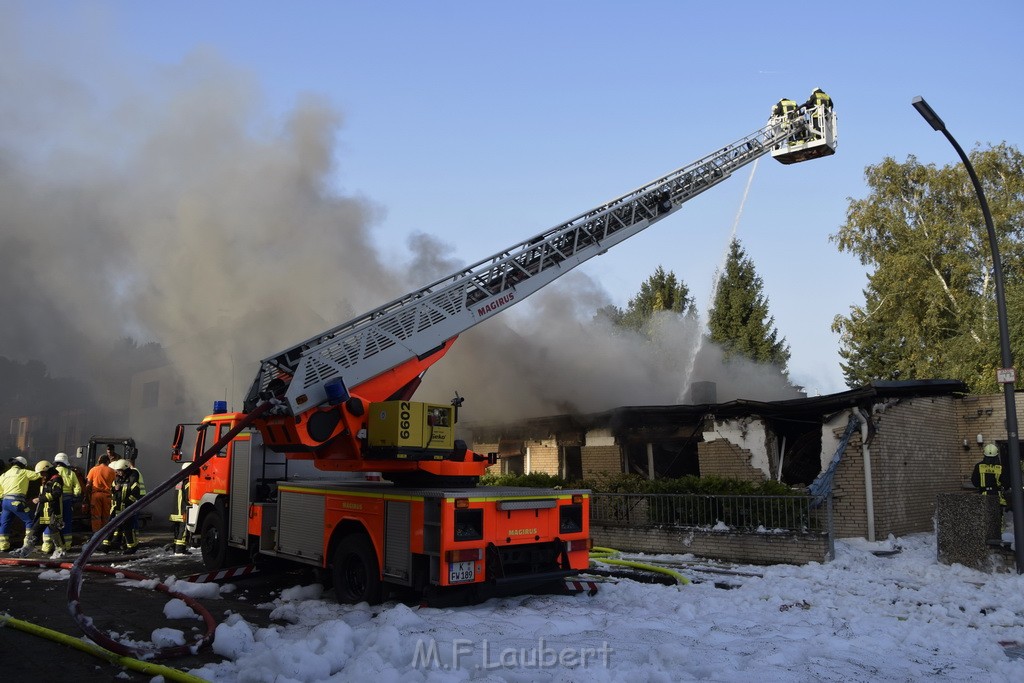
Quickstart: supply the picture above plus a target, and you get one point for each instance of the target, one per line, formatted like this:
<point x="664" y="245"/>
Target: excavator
<point x="331" y="463"/>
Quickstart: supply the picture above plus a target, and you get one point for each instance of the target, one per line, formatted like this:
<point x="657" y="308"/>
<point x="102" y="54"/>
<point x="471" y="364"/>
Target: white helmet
<point x="20" y="460"/>
<point x="43" y="465"/>
<point x="991" y="450"/>
<point x="119" y="465"/>
<point x="62" y="458"/>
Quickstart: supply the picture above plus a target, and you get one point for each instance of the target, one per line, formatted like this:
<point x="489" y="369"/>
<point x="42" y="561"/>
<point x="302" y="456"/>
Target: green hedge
<point x="536" y="479"/>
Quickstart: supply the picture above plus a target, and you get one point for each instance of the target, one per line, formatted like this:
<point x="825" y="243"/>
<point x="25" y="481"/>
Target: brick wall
<point x="543" y="456"/>
<point x="985" y="415"/>
<point x="727" y="546"/>
<point x="601" y="459"/>
<point x="911" y="463"/>
<point x="722" y="458"/>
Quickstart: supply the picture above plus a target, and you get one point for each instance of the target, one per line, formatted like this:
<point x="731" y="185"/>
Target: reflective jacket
<point x="69" y="478"/>
<point x="50" y="506"/>
<point x="14" y="482"/>
<point x="181" y="505"/>
<point x="142" y="482"/>
<point x="124" y="492"/>
<point x="987" y="477"/>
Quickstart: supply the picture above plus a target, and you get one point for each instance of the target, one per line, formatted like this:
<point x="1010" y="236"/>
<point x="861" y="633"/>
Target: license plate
<point x="460" y="572"/>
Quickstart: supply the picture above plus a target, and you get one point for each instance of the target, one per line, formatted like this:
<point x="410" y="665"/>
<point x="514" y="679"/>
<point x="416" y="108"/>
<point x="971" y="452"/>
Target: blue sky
<point x="482" y="123"/>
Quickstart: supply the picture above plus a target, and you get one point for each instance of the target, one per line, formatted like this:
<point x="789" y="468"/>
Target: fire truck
<point x="291" y="475"/>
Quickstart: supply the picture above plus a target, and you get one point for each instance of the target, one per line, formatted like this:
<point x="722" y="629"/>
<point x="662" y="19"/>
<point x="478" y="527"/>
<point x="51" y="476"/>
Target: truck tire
<point x="355" y="571"/>
<point x="213" y="542"/>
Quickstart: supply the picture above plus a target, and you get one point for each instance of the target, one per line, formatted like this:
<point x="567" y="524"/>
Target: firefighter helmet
<point x="991" y="450"/>
<point x="19" y="460"/>
<point x="43" y="465"/>
<point x="119" y="465"/>
<point x="61" y="458"/>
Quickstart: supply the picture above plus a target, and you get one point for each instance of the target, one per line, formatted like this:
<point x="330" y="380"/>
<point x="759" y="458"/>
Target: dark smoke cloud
<point x="171" y="207"/>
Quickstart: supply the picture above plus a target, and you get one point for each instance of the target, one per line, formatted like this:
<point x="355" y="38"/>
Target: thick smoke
<point x="557" y="357"/>
<point x="198" y="224"/>
<point x="172" y="208"/>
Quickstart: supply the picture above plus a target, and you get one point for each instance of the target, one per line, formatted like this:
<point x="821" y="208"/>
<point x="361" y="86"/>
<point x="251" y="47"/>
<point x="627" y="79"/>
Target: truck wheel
<point x="213" y="540"/>
<point x="355" y="571"/>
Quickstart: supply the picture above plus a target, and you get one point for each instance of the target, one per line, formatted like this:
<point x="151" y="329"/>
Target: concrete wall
<point x="968" y="532"/>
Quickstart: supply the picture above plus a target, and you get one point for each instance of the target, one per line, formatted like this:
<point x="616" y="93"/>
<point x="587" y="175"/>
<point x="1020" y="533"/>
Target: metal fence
<point x="794" y="514"/>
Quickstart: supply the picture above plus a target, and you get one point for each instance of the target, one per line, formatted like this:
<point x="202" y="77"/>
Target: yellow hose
<point x="610" y="556"/>
<point x="97" y="651"/>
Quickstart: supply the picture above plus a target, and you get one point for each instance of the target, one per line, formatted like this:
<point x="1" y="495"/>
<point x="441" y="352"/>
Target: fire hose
<point x="611" y="556"/>
<point x="85" y="623"/>
<point x="148" y="668"/>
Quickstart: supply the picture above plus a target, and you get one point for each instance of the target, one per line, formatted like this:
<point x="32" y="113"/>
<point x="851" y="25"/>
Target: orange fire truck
<point x="287" y="476"/>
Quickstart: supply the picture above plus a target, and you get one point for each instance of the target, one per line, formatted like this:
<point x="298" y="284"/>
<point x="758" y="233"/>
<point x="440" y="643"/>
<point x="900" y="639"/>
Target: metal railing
<point x="794" y="514"/>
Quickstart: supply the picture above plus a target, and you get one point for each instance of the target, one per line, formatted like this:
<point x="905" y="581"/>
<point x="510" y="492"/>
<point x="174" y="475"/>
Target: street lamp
<point x="1006" y="374"/>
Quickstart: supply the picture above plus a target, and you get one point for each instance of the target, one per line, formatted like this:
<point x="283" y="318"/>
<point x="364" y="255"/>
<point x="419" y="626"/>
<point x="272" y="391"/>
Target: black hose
<point x="85" y="623"/>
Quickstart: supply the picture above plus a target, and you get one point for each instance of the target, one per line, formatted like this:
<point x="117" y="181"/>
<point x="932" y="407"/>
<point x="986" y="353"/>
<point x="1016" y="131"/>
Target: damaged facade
<point x="913" y="440"/>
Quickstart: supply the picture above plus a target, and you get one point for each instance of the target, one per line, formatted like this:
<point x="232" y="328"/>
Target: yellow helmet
<point x="991" y="450"/>
<point x="43" y="465"/>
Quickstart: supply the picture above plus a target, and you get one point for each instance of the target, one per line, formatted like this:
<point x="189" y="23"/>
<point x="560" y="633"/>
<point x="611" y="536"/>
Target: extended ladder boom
<point x="421" y="321"/>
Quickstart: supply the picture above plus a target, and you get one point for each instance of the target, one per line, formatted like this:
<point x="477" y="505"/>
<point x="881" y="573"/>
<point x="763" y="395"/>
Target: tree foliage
<point x="659" y="292"/>
<point x="739" y="321"/>
<point x="929" y="304"/>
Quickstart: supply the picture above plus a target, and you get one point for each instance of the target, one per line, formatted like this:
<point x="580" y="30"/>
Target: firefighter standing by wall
<point x="988" y="473"/>
<point x="124" y="492"/>
<point x="13" y="486"/>
<point x="72" y="494"/>
<point x="180" y="516"/>
<point x="49" y="517"/>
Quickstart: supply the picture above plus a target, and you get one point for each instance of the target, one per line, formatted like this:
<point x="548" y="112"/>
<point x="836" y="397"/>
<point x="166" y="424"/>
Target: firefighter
<point x="818" y="97"/>
<point x="72" y="494"/>
<point x="132" y="457"/>
<point x="783" y="114"/>
<point x="49" y="514"/>
<point x="988" y="473"/>
<point x="818" y="105"/>
<point x="124" y="492"/>
<point x="784" y="109"/>
<point x="14" y="485"/>
<point x="180" y="516"/>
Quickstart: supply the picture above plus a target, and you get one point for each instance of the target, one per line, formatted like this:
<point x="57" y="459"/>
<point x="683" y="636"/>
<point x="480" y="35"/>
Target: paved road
<point x="39" y="595"/>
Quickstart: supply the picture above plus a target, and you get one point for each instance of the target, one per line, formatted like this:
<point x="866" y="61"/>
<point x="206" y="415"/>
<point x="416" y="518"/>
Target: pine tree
<point x="659" y="292"/>
<point x="739" y="321"/>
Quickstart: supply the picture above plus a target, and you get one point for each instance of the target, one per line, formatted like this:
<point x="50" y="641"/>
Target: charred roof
<point x="809" y="409"/>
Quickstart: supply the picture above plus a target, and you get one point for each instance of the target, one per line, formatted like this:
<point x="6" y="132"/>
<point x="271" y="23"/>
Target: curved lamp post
<point x="1006" y="374"/>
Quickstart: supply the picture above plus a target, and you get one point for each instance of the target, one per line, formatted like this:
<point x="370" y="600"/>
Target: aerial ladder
<point x="287" y="477"/>
<point x="382" y="354"/>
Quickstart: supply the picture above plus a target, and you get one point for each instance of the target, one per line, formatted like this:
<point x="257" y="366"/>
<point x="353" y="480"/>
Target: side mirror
<point x="80" y="452"/>
<point x="179" y="436"/>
